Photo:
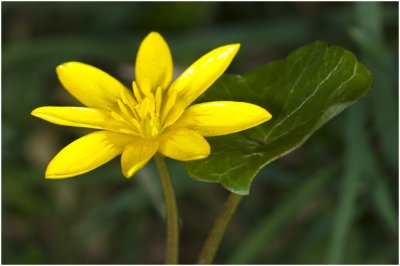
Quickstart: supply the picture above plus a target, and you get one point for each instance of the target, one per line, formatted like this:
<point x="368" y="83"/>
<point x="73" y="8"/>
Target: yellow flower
<point x="152" y="117"/>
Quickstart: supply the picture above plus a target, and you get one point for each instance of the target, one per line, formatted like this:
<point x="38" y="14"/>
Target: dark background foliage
<point x="334" y="200"/>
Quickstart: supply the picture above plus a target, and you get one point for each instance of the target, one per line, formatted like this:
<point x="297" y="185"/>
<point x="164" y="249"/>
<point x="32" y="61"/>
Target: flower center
<point x="144" y="113"/>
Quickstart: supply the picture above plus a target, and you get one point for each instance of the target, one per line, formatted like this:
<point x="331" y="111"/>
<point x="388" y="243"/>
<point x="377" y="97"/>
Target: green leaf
<point x="303" y="92"/>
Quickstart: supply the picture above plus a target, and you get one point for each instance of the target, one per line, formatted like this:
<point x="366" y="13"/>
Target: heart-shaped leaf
<point x="311" y="86"/>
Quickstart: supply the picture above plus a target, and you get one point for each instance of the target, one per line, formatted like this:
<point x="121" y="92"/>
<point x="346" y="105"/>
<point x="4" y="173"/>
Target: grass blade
<point x="273" y="222"/>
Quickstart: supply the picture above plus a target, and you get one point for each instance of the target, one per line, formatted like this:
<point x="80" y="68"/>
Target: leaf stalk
<point x="213" y="240"/>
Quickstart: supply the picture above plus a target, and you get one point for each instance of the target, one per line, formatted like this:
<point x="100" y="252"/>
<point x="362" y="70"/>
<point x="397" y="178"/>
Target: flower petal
<point x="137" y="154"/>
<point x="90" y="85"/>
<point x="76" y="116"/>
<point x="154" y="62"/>
<point x="201" y="74"/>
<point x="204" y="72"/>
<point x="87" y="153"/>
<point x="199" y="77"/>
<point x="222" y="117"/>
<point x="184" y="145"/>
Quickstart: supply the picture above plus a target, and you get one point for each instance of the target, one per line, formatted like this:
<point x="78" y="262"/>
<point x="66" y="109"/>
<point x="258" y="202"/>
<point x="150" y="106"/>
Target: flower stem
<point x="172" y="243"/>
<point x="213" y="241"/>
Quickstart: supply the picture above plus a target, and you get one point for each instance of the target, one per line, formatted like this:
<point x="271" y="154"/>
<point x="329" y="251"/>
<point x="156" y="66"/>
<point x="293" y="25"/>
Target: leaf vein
<point x="306" y="100"/>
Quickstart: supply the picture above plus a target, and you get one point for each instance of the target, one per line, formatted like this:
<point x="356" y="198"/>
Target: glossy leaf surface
<point x="302" y="92"/>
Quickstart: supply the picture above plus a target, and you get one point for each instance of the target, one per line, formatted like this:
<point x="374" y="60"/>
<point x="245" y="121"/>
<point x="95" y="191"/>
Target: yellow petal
<point x="222" y="117"/>
<point x="90" y="85"/>
<point x="137" y="154"/>
<point x="75" y="116"/>
<point x="199" y="77"/>
<point x="184" y="145"/>
<point x="87" y="153"/>
<point x="153" y="62"/>
<point x="204" y="72"/>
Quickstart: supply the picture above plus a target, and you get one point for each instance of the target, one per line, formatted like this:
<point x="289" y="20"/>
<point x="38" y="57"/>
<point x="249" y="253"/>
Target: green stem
<point x="213" y="241"/>
<point x="172" y="244"/>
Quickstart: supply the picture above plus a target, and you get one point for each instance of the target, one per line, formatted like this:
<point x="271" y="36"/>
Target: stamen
<point x="144" y="114"/>
<point x="152" y="106"/>
<point x="124" y="110"/>
<point x="158" y="100"/>
<point x="136" y="92"/>
<point x="130" y="115"/>
<point x="135" y="124"/>
<point x="128" y="131"/>
<point x="143" y="108"/>
<point x="128" y="127"/>
<point x="116" y="116"/>
<point x="127" y="98"/>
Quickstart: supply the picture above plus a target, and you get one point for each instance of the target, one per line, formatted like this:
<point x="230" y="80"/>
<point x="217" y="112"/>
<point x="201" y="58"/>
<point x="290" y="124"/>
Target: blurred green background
<point x="334" y="200"/>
